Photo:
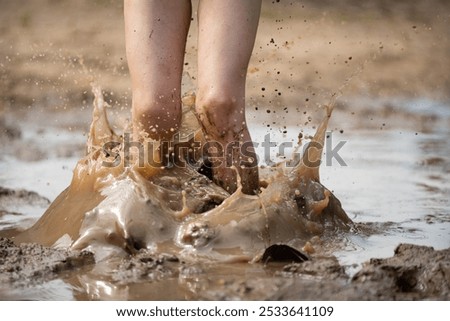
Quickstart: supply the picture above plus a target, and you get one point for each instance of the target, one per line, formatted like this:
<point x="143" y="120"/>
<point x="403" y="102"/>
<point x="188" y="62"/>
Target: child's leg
<point x="227" y="31"/>
<point x="155" y="33"/>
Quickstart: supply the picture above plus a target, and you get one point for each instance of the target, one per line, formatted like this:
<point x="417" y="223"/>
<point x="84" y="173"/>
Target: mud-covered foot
<point x="228" y="145"/>
<point x="231" y="178"/>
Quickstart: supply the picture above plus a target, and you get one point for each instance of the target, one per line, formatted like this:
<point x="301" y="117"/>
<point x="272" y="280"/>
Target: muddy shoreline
<point x="412" y="273"/>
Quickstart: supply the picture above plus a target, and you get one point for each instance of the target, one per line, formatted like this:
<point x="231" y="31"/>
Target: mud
<point x="14" y="202"/>
<point x="280" y="272"/>
<point x="31" y="264"/>
<point x="412" y="273"/>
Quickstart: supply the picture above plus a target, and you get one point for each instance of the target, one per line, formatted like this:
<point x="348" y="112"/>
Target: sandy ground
<point x="51" y="50"/>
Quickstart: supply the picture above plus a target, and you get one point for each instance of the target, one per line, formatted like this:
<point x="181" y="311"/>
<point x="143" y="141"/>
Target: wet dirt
<point x="413" y="273"/>
<point x="393" y="112"/>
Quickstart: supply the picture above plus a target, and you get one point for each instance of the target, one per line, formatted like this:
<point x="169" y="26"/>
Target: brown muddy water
<point x="387" y="163"/>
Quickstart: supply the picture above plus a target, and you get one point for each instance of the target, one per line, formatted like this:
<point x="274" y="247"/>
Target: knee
<point x="220" y="114"/>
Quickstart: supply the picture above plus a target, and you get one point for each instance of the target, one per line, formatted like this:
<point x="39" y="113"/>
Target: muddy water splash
<point x="119" y="210"/>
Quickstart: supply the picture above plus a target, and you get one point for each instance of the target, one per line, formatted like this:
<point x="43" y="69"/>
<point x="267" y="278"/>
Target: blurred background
<point x="50" y="51"/>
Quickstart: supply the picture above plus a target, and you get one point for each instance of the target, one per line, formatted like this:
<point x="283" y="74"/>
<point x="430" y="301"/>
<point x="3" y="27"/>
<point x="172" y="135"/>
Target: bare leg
<point x="155" y="33"/>
<point x="227" y="31"/>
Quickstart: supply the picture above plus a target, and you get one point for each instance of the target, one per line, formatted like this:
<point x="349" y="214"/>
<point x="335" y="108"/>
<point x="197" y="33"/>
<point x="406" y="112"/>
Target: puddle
<point x="393" y="185"/>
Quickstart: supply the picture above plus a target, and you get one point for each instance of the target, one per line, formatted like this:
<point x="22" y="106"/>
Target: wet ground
<point x="392" y="185"/>
<point x="414" y="272"/>
<point x="391" y="175"/>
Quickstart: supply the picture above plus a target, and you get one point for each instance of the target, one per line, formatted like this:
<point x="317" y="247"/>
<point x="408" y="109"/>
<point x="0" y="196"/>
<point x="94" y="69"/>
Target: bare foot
<point x="231" y="153"/>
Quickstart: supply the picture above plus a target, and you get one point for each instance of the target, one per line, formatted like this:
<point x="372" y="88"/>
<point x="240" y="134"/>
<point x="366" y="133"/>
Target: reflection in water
<point x="180" y="282"/>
